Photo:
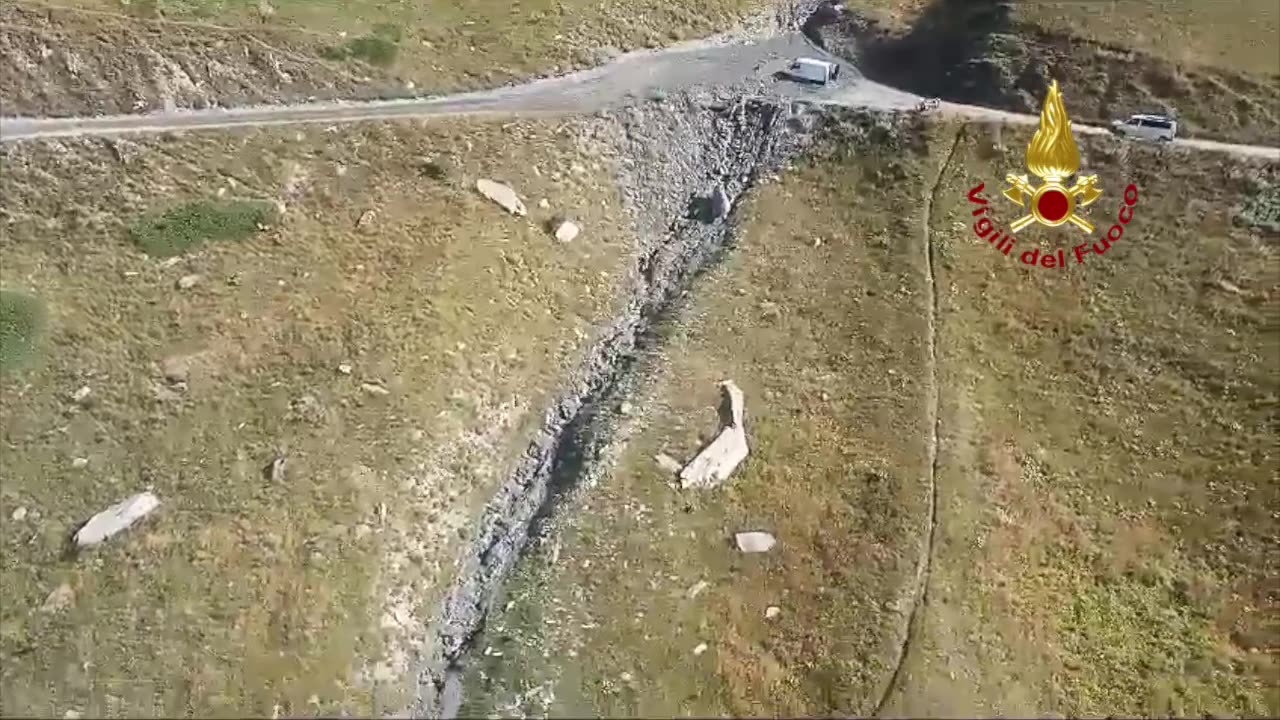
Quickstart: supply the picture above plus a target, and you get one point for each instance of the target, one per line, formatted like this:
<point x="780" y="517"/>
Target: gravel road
<point x="733" y="68"/>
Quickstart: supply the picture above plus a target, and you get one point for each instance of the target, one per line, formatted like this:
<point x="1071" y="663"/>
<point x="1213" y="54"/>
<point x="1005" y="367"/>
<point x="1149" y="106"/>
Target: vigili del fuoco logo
<point x="1053" y="157"/>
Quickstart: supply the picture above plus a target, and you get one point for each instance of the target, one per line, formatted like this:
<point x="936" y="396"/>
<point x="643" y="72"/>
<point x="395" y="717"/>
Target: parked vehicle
<point x="927" y="105"/>
<point x="1159" y="128"/>
<point x="811" y="70"/>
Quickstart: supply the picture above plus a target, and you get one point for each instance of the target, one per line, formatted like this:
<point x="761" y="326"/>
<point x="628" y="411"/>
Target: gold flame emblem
<point x="1054" y="157"/>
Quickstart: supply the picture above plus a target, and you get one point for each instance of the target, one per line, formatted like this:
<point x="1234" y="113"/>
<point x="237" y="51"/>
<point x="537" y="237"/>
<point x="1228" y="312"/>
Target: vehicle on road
<point x="812" y="70"/>
<point x="1159" y="128"/>
<point x="927" y="105"/>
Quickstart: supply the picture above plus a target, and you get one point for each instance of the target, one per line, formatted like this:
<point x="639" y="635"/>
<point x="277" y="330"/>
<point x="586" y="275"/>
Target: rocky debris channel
<point x="668" y="155"/>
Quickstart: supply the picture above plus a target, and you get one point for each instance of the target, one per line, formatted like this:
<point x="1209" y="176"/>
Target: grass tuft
<point x="181" y="229"/>
<point x="380" y="47"/>
<point x="21" y="321"/>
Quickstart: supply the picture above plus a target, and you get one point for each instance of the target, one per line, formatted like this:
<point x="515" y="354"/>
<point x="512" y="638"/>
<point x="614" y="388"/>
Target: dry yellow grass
<point x="1107" y="467"/>
<point x="1104" y="474"/>
<point x="399" y="363"/>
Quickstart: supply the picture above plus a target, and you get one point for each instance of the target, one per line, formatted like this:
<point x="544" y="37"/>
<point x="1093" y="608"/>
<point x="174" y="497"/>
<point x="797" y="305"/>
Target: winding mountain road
<point x="745" y="68"/>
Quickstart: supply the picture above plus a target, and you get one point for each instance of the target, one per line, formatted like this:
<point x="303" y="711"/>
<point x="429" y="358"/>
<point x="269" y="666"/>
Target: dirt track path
<point x="717" y="66"/>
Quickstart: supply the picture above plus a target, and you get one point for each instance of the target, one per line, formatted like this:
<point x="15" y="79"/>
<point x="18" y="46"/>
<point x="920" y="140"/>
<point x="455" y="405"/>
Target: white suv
<point x="1147" y="127"/>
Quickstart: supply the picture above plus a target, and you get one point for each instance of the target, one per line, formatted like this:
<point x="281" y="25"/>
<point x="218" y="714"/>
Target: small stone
<point x="697" y="589"/>
<point x="60" y="599"/>
<point x="755" y="542"/>
<point x="82" y="394"/>
<point x="175" y="368"/>
<point x="19" y="514"/>
<point x="720" y="204"/>
<point x="344" y="368"/>
<point x="626" y="408"/>
<point x="544" y="203"/>
<point x="772" y="612"/>
<point x="668" y="464"/>
<point x="374" y="389"/>
<point x="80" y="462"/>
<point x="186" y="282"/>
<point x="1228" y="286"/>
<point x="503" y="195"/>
<point x="71" y="715"/>
<point x="366" y="219"/>
<point x="702" y="647"/>
<point x="626" y="677"/>
<point x="275" y="470"/>
<point x="567" y="231"/>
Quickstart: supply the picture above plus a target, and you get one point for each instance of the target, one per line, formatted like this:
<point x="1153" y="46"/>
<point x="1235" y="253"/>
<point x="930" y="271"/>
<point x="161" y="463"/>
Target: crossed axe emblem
<point x="1062" y="208"/>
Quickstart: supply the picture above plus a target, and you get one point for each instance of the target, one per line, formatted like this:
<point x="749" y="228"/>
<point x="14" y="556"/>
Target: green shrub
<point x="21" y="322"/>
<point x="380" y="47"/>
<point x="177" y="230"/>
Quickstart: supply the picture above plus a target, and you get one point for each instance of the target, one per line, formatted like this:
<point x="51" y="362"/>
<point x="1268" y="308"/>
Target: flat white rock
<point x="503" y="195"/>
<point x="755" y="542"/>
<point x="567" y="231"/>
<point x="116" y="518"/>
<point x="718" y="460"/>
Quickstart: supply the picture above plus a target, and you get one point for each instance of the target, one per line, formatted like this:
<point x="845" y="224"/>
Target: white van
<point x="1147" y="127"/>
<point x="819" y="72"/>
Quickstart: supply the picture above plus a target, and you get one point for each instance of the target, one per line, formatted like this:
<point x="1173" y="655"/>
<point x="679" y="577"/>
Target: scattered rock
<point x="308" y="408"/>
<point x="503" y="195"/>
<point x="567" y="231"/>
<point x="544" y="203"/>
<point x="697" y="589"/>
<point x="375" y="389"/>
<point x="772" y="612"/>
<point x="80" y="463"/>
<point x="667" y="463"/>
<point x="19" y="514"/>
<point x="755" y="542"/>
<point x="176" y="368"/>
<point x="719" y="202"/>
<point x="274" y="471"/>
<point x="344" y="368"/>
<point x="186" y="282"/>
<point x="123" y="150"/>
<point x="1227" y="286"/>
<point x="702" y="647"/>
<point x="60" y="599"/>
<point x="82" y="394"/>
<point x="116" y="518"/>
<point x="719" y="459"/>
<point x="626" y="408"/>
<point x="366" y="219"/>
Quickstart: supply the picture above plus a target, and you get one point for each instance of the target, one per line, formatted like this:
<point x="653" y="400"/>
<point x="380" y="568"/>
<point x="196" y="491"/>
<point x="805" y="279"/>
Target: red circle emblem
<point x="1053" y="205"/>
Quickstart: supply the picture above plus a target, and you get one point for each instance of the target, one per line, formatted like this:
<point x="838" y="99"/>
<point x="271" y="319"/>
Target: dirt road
<point x="720" y="67"/>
